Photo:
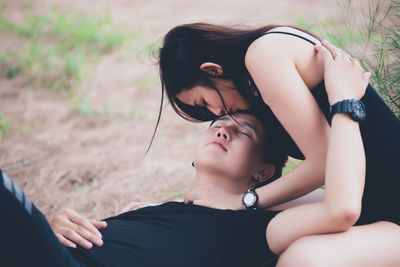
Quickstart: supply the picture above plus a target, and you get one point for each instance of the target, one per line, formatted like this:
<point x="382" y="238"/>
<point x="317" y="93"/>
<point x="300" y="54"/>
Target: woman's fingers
<point x="344" y="77"/>
<point x="65" y="241"/>
<point x="89" y="236"/>
<point x="84" y="223"/>
<point x="98" y="224"/>
<point x="367" y="76"/>
<point x="76" y="229"/>
<point x="73" y="236"/>
<point x="335" y="52"/>
<point x="324" y="52"/>
<point x="356" y="62"/>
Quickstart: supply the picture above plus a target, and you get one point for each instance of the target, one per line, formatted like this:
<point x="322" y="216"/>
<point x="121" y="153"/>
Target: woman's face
<point x="207" y="97"/>
<point x="231" y="148"/>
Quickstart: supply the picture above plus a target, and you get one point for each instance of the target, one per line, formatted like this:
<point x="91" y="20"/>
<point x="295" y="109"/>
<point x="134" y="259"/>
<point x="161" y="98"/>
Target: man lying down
<point x="235" y="153"/>
<point x="229" y="155"/>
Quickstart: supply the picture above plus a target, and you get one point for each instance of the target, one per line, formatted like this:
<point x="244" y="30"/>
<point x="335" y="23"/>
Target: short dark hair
<point x="274" y="151"/>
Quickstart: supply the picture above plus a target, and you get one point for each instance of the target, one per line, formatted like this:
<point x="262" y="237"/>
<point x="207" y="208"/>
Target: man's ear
<point x="212" y="69"/>
<point x="265" y="173"/>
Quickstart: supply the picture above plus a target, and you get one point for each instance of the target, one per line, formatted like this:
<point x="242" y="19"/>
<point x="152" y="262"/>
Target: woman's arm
<point x="314" y="196"/>
<point x="345" y="169"/>
<point x="272" y="63"/>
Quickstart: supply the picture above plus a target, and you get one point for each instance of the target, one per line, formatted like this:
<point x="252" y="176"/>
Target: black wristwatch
<point x="355" y="108"/>
<point x="250" y="199"/>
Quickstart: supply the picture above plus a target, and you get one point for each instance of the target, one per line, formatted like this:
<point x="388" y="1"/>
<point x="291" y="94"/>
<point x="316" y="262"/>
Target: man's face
<point x="231" y="149"/>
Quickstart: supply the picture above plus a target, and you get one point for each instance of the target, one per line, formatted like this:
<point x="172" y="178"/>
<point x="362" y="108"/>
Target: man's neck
<point x="233" y="185"/>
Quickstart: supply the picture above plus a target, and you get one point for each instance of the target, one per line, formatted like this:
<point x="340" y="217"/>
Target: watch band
<point x="353" y="107"/>
<point x="341" y="107"/>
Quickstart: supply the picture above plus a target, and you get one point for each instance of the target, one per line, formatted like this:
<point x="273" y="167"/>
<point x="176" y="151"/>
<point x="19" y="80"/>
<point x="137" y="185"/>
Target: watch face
<point x="249" y="199"/>
<point x="359" y="111"/>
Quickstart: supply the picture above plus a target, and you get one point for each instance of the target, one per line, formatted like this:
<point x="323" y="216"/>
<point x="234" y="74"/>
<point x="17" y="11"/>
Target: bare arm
<point x="271" y="61"/>
<point x="314" y="196"/>
<point x="345" y="169"/>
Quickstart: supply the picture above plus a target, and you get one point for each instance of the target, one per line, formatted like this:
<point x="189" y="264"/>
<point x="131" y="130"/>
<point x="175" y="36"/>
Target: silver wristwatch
<point x="250" y="199"/>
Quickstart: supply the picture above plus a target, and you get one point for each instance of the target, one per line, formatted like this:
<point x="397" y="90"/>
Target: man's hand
<point x="213" y="197"/>
<point x="72" y="229"/>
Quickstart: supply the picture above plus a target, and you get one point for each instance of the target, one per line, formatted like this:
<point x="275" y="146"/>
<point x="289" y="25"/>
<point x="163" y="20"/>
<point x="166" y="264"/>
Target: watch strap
<point x="344" y="106"/>
<point x="353" y="107"/>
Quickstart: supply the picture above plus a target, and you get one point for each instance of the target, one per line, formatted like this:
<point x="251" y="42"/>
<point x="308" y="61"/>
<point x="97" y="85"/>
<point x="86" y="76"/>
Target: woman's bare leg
<point x="375" y="244"/>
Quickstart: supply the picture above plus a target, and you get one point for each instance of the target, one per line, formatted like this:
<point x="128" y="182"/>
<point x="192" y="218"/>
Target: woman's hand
<point x="136" y="205"/>
<point x="72" y="229"/>
<point x="213" y="197"/>
<point x="344" y="77"/>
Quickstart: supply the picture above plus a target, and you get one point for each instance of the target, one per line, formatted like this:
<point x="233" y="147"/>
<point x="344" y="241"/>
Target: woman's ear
<point x="212" y="69"/>
<point x="265" y="173"/>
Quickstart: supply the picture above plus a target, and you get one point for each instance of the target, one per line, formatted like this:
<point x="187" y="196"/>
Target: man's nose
<point x="223" y="133"/>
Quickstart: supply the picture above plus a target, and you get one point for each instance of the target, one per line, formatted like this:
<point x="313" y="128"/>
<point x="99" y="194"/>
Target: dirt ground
<point x="95" y="164"/>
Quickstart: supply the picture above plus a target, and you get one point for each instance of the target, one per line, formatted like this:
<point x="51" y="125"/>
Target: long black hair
<point x="186" y="47"/>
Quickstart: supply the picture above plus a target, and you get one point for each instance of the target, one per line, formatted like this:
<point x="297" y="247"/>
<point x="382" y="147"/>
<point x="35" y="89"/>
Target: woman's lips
<point x="218" y="144"/>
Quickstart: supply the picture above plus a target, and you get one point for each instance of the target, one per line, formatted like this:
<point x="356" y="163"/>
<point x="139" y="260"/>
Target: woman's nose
<point x="217" y="111"/>
<point x="223" y="133"/>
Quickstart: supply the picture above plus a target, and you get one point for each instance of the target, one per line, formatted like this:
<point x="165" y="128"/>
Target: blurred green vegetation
<point x="55" y="49"/>
<point x="374" y="39"/>
<point x="82" y="106"/>
<point x="133" y="113"/>
<point x="172" y="195"/>
<point x="5" y="125"/>
<point x="290" y="165"/>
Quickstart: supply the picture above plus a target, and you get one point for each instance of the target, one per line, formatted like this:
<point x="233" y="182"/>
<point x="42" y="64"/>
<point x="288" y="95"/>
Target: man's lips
<point x="218" y="144"/>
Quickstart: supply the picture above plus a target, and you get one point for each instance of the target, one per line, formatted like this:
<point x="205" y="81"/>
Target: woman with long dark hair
<point x="207" y="70"/>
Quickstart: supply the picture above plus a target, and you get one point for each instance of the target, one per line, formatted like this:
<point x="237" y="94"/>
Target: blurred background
<point x="80" y="93"/>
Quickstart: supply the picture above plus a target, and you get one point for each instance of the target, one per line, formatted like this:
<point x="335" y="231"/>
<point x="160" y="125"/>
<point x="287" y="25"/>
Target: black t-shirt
<point x="177" y="234"/>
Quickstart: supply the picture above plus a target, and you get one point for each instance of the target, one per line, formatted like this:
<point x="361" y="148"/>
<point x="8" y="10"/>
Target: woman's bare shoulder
<point x="295" y="31"/>
<point x="288" y="50"/>
<point x="281" y="44"/>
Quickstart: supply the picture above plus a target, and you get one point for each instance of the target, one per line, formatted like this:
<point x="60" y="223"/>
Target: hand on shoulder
<point x="343" y="75"/>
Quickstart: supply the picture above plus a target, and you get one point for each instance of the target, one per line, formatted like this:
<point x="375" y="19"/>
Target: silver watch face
<point x="249" y="199"/>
